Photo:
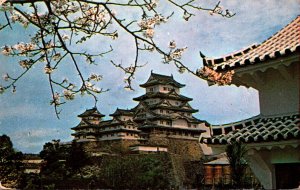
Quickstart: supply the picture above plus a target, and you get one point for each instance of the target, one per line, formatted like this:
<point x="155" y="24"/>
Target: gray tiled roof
<point x="155" y="79"/>
<point x="283" y="43"/>
<point x="91" y="112"/>
<point x="259" y="129"/>
<point x="123" y="112"/>
<point x="170" y="95"/>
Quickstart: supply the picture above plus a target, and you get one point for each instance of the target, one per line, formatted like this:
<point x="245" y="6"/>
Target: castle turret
<point x="87" y="129"/>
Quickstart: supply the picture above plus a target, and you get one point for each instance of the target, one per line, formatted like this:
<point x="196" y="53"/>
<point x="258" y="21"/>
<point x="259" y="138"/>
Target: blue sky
<point x="27" y="117"/>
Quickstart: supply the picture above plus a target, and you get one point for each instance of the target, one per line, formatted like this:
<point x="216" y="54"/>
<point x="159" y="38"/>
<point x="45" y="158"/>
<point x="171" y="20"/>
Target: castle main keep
<point x="162" y="121"/>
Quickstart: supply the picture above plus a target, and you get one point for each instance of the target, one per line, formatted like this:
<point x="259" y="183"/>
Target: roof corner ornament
<point x="205" y="62"/>
<point x="202" y="55"/>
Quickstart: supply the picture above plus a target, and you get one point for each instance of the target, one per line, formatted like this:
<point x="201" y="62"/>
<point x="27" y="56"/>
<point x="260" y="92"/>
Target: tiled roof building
<point x="272" y="137"/>
<point x="282" y="44"/>
<point x="163" y="118"/>
<point x="257" y="130"/>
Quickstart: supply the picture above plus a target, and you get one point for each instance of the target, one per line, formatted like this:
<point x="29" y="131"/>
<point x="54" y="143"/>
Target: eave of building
<point x="111" y="123"/>
<point x="153" y="83"/>
<point x="156" y="79"/>
<point x="293" y="143"/>
<point x="79" y="127"/>
<point x="162" y="95"/>
<point x="257" y="61"/>
<point x="171" y="128"/>
<point x="191" y="110"/>
<point x="91" y="112"/>
<point x="259" y="129"/>
<point x="83" y="133"/>
<point x="255" y="72"/>
<point x="119" y="130"/>
<point x="122" y="112"/>
<point x="169" y="118"/>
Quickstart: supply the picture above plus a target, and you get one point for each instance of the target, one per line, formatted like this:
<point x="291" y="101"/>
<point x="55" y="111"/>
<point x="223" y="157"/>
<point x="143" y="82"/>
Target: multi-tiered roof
<point x="87" y="128"/>
<point x="156" y="79"/>
<point x="163" y="107"/>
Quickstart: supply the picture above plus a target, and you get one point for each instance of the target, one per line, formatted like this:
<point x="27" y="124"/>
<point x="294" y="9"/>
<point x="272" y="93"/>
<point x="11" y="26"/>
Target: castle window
<point x="161" y="111"/>
<point x="161" y="122"/>
<point x="151" y="89"/>
<point x="189" y="125"/>
<point x="169" y="123"/>
<point x="165" y="88"/>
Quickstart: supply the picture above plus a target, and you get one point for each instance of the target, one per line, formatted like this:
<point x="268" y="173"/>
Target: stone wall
<point x="115" y="146"/>
<point x="188" y="149"/>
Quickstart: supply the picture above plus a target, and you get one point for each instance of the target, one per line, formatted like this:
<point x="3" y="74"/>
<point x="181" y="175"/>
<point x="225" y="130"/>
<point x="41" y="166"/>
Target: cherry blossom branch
<point x="67" y="23"/>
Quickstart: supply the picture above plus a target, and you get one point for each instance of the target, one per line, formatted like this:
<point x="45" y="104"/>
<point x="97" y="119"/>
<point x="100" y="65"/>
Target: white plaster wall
<point x="182" y="123"/>
<point x="174" y="102"/>
<point x="125" y="118"/>
<point x="151" y="149"/>
<point x="119" y="135"/>
<point x="161" y="89"/>
<point x="278" y="94"/>
<point x="155" y="89"/>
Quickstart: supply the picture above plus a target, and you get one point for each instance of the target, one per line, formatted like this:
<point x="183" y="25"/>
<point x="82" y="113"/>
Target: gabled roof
<point x="91" y="112"/>
<point x="170" y="95"/>
<point x="155" y="79"/>
<point x="84" y="124"/>
<point x="283" y="43"/>
<point x="260" y="129"/>
<point x="164" y="104"/>
<point x="119" y="112"/>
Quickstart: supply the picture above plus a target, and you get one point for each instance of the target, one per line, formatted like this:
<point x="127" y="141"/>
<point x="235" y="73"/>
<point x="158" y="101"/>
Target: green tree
<point x="77" y="158"/>
<point x="236" y="152"/>
<point x="136" y="172"/>
<point x="55" y="156"/>
<point x="10" y="162"/>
